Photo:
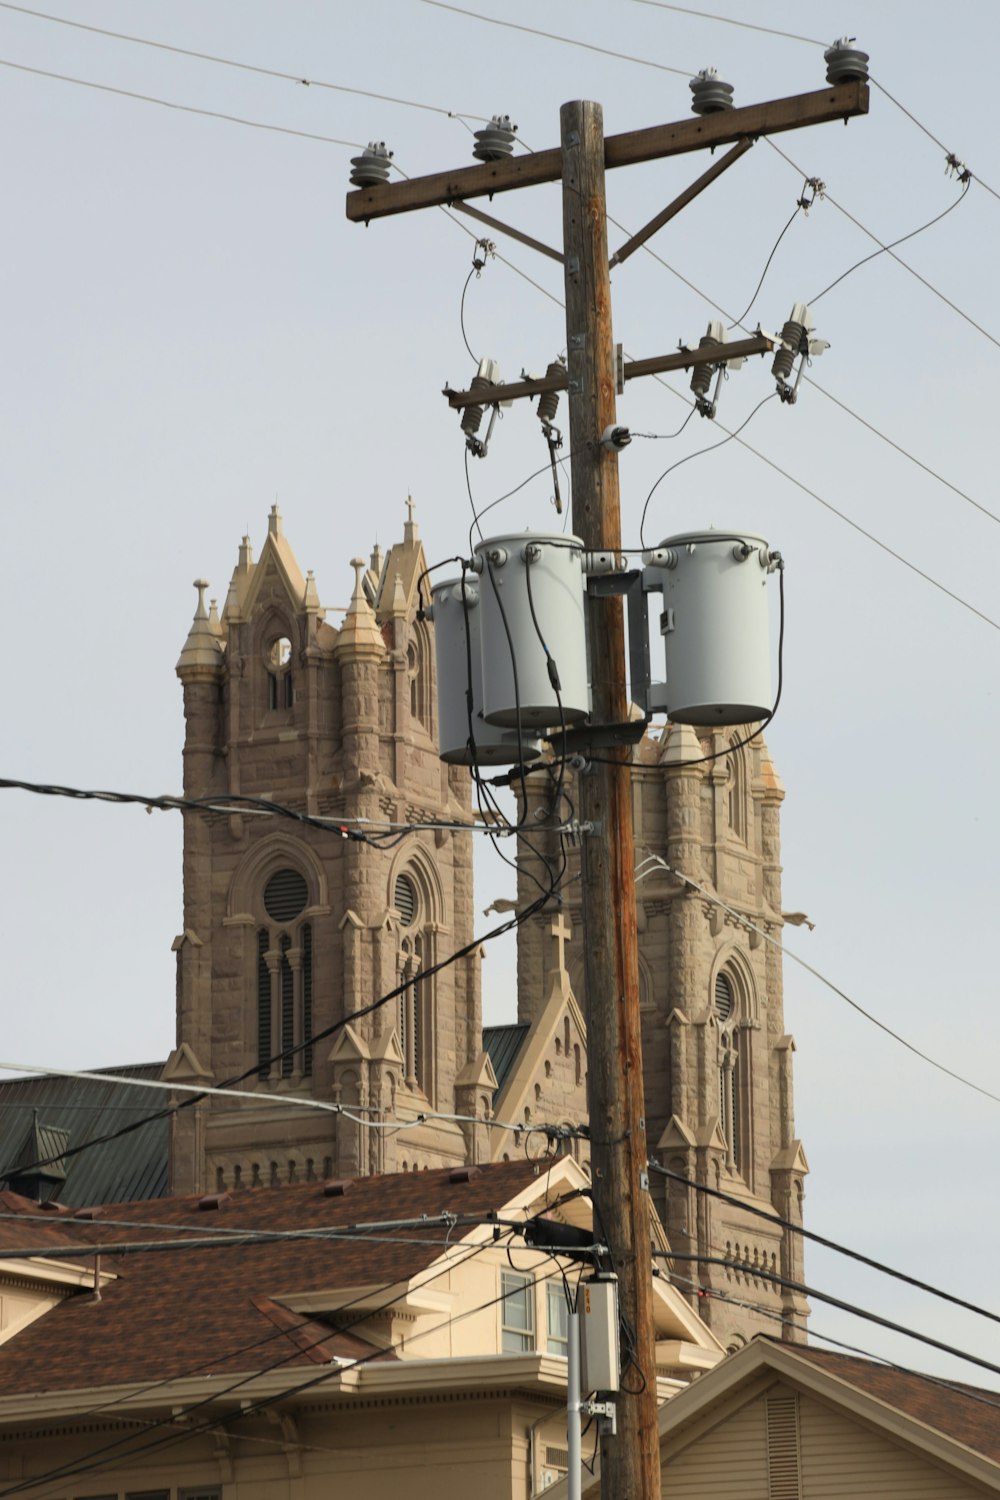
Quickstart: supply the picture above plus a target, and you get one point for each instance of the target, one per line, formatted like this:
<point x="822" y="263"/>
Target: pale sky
<point x="191" y="329"/>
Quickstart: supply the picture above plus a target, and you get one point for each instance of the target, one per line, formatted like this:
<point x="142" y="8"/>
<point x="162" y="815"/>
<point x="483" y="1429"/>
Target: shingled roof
<point x="966" y="1413"/>
<point x="218" y="1308"/>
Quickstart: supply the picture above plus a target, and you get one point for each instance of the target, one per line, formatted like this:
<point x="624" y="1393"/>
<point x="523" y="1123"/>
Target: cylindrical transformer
<point x="456" y="612"/>
<point x="533" y="633"/>
<point x="714" y="625"/>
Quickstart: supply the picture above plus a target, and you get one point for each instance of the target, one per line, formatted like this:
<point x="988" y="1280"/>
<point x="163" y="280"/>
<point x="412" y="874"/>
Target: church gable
<point x="547" y="1080"/>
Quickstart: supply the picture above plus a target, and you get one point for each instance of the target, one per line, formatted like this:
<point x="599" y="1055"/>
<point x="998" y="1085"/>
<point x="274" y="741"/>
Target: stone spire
<point x="359" y="634"/>
<point x="410" y="533"/>
<point x="202" y="653"/>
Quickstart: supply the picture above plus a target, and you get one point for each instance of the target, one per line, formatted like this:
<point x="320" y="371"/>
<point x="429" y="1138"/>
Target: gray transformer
<point x="457" y="612"/>
<point x="533" y="630"/>
<point x="714" y="626"/>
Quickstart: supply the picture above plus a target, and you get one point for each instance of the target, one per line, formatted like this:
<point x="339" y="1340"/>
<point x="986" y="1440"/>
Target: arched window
<point x="734" y="1075"/>
<point x="284" y="978"/>
<point x="278" y="660"/>
<point x="417" y="670"/>
<point x="414" y="1021"/>
<point x="736" y="792"/>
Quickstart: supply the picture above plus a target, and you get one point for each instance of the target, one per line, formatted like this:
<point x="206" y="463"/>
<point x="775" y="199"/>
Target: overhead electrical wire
<point x="461" y="116"/>
<point x="349" y="1112"/>
<point x="772" y="1217"/>
<point x="550" y="36"/>
<point x="253" y="1071"/>
<point x="245" y="67"/>
<point x="186" y="109"/>
<point x="698" y="453"/>
<point x="966" y="317"/>
<point x="704" y="15"/>
<point x="750" y="926"/>
<point x="760" y="1273"/>
<point x="250" y="1406"/>
<point x="811" y="381"/>
<point x="885" y="249"/>
<point x="812" y="41"/>
<point x="717" y="1294"/>
<point x="73" y="1468"/>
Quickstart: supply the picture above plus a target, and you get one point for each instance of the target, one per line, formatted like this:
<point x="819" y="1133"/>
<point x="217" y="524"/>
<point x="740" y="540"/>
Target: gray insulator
<point x="495" y="140"/>
<point x="792" y="334"/>
<point x="372" y="166"/>
<point x="472" y="416"/>
<point x="701" y="375"/>
<point x="710" y="96"/>
<point x="845" y="62"/>
<point x="548" y="401"/>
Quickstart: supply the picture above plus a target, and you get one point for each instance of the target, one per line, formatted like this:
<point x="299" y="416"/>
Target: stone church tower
<point x="717" y="1061"/>
<point x="288" y="928"/>
<point x="291" y="929"/>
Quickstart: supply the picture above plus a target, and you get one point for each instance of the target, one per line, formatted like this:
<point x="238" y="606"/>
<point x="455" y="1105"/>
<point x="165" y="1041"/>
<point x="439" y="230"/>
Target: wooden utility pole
<point x="630" y="1468"/>
<point x="630" y="1462"/>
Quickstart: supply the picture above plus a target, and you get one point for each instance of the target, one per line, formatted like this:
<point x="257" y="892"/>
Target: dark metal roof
<point x="503" y="1043"/>
<point x="133" y="1166"/>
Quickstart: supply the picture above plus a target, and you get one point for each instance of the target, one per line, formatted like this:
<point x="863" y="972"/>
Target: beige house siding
<point x="731" y="1462"/>
<point x="841" y="1458"/>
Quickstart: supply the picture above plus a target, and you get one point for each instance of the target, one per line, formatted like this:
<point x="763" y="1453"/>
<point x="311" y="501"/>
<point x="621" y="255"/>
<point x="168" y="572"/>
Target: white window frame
<point x="516" y="1338"/>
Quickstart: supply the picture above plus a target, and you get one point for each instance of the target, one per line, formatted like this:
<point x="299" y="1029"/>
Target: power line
<point x="885" y="249"/>
<point x="253" y="1071"/>
<point x="812" y="41"/>
<point x="745" y="922"/>
<point x="773" y="1217"/>
<point x="849" y="411"/>
<point x="304" y="1101"/>
<point x="759" y="1273"/>
<point x="973" y="1393"/>
<point x="450" y="114"/>
<point x="921" y="126"/>
<point x="568" y="41"/>
<point x="251" y="1407"/>
<point x="187" y="109"/>
<point x="771" y="463"/>
<point x="892" y="254"/>
<point x="703" y="15"/>
<point x="229" y="62"/>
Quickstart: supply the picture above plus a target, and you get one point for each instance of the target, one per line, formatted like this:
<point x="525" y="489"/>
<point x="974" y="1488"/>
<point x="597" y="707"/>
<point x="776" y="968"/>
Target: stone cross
<point x="562" y="932"/>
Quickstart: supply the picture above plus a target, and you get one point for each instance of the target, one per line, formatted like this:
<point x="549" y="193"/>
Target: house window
<point x="284" y="977"/>
<point x="201" y="1492"/>
<point x="556" y="1319"/>
<point x="517" y="1312"/>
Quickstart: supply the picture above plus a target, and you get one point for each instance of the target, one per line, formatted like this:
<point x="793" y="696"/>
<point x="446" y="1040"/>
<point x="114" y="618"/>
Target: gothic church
<point x="289" y="929"/>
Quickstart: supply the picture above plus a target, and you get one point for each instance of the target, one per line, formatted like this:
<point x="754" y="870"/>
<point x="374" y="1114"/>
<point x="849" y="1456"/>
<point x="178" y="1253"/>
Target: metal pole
<point x="574" y="1482"/>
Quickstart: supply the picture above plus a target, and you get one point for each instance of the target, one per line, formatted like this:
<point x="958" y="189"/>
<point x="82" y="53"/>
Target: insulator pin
<point x="372" y="167"/>
<point x="495" y="140"/>
<point x="548" y="401"/>
<point x="710" y="96"/>
<point x="472" y="416"/>
<point x="845" y="63"/>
